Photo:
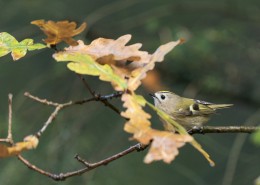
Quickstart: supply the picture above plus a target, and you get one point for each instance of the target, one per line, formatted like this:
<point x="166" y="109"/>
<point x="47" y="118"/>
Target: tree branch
<point x="223" y="129"/>
<point x="10" y="101"/>
<point x="9" y="138"/>
<point x="88" y="166"/>
<point x="138" y="147"/>
<point x="60" y="106"/>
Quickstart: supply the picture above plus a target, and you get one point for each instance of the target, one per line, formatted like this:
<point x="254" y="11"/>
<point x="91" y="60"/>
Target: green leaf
<point x="18" y="49"/>
<point x="85" y="64"/>
<point x="256" y="138"/>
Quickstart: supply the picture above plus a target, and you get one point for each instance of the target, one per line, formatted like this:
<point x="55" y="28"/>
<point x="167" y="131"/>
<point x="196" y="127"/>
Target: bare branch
<point x="60" y="106"/>
<point x="49" y="121"/>
<point x="106" y="103"/>
<point x="89" y="166"/>
<point x="33" y="167"/>
<point x="9" y="138"/>
<point x="223" y="129"/>
<point x="10" y="101"/>
<point x="137" y="147"/>
<point x="110" y="96"/>
<point x="43" y="101"/>
<point x="104" y="99"/>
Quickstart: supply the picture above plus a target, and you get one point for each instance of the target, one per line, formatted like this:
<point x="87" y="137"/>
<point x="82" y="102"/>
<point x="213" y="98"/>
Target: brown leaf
<point x="30" y="142"/>
<point x="115" y="49"/>
<point x="165" y="146"/>
<point x="59" y="31"/>
<point x="138" y="124"/>
<point x="128" y="62"/>
<point x="140" y="72"/>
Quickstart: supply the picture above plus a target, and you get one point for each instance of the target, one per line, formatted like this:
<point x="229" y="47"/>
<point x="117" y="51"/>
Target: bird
<point x="189" y="113"/>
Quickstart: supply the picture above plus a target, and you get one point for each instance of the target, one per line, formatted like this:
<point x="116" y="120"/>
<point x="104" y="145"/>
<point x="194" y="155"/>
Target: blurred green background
<point x="219" y="63"/>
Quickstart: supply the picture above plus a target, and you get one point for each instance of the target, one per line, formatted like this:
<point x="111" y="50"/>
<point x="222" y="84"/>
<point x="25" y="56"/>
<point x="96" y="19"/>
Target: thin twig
<point x="10" y="101"/>
<point x="49" y="121"/>
<point x="86" y="85"/>
<point x="223" y="129"/>
<point x="112" y="107"/>
<point x="43" y="101"/>
<point x="137" y="147"/>
<point x="110" y="96"/>
<point x="60" y="106"/>
<point x="9" y="138"/>
<point x="89" y="166"/>
<point x="103" y="99"/>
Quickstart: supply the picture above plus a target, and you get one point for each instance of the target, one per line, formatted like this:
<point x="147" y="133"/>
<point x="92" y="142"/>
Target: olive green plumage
<point x="187" y="112"/>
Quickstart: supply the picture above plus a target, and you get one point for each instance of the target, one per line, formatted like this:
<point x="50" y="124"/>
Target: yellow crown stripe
<point x="165" y="91"/>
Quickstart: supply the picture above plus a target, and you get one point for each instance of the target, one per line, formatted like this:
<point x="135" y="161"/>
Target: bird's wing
<point x="195" y="108"/>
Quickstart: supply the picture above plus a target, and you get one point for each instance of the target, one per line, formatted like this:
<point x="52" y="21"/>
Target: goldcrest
<point x="187" y="112"/>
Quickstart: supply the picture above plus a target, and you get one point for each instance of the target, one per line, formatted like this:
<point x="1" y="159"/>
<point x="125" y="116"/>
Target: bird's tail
<point x="219" y="106"/>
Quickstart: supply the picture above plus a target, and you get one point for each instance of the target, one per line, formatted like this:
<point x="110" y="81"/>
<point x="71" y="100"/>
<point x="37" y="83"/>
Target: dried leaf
<point x="59" y="31"/>
<point x="127" y="62"/>
<point x="30" y="142"/>
<point x="102" y="47"/>
<point x="139" y="73"/>
<point x="138" y="124"/>
<point x="84" y="64"/>
<point x="116" y="54"/>
<point x="18" y="49"/>
<point x="165" y="146"/>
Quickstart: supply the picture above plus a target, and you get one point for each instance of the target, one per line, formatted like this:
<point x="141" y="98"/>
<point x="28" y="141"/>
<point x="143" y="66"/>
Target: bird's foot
<point x="196" y="129"/>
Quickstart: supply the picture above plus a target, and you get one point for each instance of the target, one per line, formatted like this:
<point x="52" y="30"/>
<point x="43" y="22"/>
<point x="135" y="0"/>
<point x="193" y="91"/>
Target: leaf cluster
<point x="113" y="61"/>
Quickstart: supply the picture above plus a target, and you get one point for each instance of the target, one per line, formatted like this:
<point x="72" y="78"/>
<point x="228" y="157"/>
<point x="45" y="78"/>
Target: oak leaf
<point x="138" y="124"/>
<point x="84" y="64"/>
<point x="158" y="56"/>
<point x="127" y="62"/>
<point x="103" y="47"/>
<point x="59" y="31"/>
<point x="18" y="49"/>
<point x="30" y="142"/>
<point x="165" y="146"/>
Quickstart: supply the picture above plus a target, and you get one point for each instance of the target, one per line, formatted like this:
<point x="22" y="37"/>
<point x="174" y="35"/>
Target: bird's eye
<point x="162" y="97"/>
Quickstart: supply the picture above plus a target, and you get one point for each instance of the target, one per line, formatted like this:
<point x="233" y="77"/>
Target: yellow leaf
<point x="84" y="64"/>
